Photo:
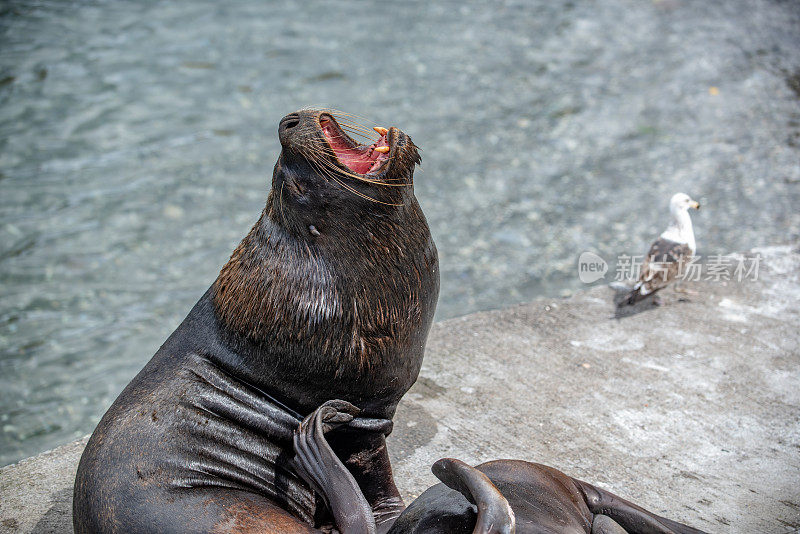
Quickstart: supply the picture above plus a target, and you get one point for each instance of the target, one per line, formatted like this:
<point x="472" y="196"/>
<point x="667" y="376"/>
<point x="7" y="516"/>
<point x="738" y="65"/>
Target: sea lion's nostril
<point x="289" y="121"/>
<point x="288" y="125"/>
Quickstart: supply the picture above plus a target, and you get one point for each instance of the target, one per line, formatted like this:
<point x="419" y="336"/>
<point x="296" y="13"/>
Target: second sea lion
<point x="498" y="497"/>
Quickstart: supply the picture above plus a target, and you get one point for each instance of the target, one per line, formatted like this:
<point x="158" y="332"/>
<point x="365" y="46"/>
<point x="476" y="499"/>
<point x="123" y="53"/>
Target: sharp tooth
<point x="381" y="131"/>
<point x="382" y="149"/>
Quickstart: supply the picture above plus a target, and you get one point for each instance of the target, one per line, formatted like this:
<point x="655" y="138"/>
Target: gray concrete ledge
<point x="691" y="409"/>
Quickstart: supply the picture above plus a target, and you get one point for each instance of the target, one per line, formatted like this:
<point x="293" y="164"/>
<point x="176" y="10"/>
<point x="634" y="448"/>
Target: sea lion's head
<point x="341" y="266"/>
<point x="324" y="178"/>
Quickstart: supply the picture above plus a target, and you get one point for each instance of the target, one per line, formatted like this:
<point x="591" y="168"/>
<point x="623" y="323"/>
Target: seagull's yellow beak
<point x="694" y="204"/>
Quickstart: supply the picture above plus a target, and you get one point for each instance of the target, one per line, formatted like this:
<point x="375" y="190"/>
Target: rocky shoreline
<point x="691" y="409"/>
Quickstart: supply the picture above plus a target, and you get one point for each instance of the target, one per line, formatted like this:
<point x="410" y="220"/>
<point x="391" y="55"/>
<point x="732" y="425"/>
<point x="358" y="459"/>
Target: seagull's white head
<point x="680" y="202"/>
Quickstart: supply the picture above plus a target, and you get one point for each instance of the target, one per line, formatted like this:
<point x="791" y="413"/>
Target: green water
<point x="137" y="141"/>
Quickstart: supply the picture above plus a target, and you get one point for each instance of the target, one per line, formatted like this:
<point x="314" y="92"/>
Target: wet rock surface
<point x="691" y="409"/>
<point x="137" y="141"/>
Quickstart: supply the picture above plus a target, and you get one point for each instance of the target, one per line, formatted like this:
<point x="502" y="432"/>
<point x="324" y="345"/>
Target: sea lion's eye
<point x="298" y="189"/>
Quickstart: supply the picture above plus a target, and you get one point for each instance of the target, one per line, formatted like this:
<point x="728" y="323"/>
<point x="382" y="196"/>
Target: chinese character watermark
<point x="691" y="270"/>
<point x="716" y="268"/>
<point x="752" y="271"/>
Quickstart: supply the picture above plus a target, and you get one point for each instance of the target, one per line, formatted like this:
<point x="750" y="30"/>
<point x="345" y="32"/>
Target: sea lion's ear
<point x="495" y="515"/>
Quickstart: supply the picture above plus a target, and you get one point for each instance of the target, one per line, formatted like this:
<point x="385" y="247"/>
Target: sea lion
<point x="330" y="295"/>
<point x="498" y="497"/>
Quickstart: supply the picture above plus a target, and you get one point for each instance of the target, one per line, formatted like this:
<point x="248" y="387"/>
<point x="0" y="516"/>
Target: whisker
<point x="360" y="120"/>
<point x="357" y="118"/>
<point x="368" y="139"/>
<point x="333" y="168"/>
<point x="323" y="150"/>
<point x="363" y="178"/>
<point x="343" y="135"/>
<point x="358" y="128"/>
<point x="283" y="218"/>
<point x="323" y="167"/>
<point x="356" y="192"/>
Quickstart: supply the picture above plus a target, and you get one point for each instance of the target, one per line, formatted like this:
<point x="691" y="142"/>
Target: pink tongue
<point x="359" y="160"/>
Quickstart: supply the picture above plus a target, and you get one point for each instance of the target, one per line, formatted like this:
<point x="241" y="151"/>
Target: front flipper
<point x="318" y="465"/>
<point x="634" y="519"/>
<point x="495" y="515"/>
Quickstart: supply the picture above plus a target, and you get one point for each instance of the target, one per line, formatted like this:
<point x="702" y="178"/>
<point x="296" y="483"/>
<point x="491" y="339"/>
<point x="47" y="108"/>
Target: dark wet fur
<point x="201" y="439"/>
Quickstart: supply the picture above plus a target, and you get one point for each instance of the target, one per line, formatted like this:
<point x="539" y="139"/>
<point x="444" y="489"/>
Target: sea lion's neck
<point x="271" y="283"/>
<point x="349" y="312"/>
<point x="293" y="294"/>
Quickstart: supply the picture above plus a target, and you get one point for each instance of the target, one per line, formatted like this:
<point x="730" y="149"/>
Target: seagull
<point x="669" y="253"/>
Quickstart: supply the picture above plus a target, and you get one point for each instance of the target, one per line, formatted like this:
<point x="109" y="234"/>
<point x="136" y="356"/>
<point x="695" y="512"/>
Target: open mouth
<point x="360" y="159"/>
